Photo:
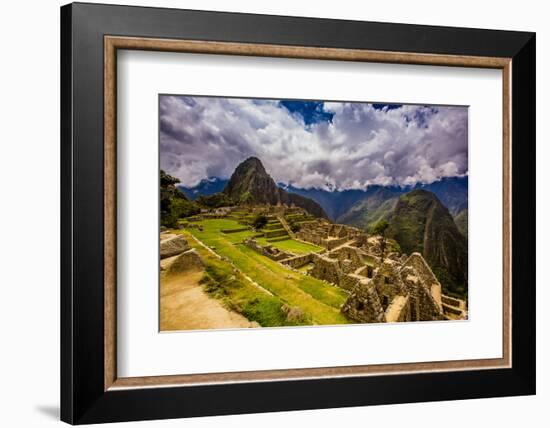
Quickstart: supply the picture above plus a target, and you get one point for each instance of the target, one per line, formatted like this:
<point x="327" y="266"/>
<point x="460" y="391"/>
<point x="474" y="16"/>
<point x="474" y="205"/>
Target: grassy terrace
<point x="296" y="247"/>
<point x="319" y="301"/>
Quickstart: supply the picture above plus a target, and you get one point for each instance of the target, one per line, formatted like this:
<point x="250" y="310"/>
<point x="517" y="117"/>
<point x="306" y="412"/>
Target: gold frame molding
<point x="113" y="43"/>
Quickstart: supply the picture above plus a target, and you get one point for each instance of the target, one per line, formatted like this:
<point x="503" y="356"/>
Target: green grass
<point x="275" y="233"/>
<point x="238" y="294"/>
<point x="305" y="268"/>
<point x="212" y="231"/>
<point x="291" y="245"/>
<point x="319" y="301"/>
<point x="273" y="226"/>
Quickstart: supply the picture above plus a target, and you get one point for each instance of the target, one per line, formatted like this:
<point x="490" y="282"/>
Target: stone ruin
<point x="267" y="250"/>
<point x="383" y="287"/>
<point x="326" y="234"/>
<point x="176" y="256"/>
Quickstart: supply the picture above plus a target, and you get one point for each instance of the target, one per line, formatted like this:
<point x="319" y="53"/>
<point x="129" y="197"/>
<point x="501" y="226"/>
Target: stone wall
<point x="429" y="309"/>
<point x="398" y="310"/>
<point x="363" y="304"/>
<point x="309" y="236"/>
<point x="326" y="269"/>
<point x="423" y="305"/>
<point x="454" y="308"/>
<point x="350" y="282"/>
<point x="298" y="261"/>
<point x="354" y="255"/>
<point x="330" y="244"/>
<point x="268" y="251"/>
<point x="452" y="301"/>
<point x="388" y="282"/>
<point x="318" y="232"/>
<point x="366" y="271"/>
<point x="426" y="276"/>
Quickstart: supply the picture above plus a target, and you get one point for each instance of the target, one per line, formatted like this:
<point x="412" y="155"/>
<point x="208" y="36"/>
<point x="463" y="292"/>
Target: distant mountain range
<point x="362" y="207"/>
<point x="206" y="187"/>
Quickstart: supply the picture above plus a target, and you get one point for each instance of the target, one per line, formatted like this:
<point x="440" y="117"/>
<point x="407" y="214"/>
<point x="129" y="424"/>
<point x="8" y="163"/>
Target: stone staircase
<point x="286" y="226"/>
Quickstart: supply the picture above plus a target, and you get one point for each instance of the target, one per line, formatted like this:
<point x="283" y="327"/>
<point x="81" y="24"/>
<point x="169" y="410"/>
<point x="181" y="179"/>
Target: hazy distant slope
<point x="461" y="220"/>
<point x="377" y="206"/>
<point x="335" y="203"/>
<point x="346" y="204"/>
<point x="207" y="186"/>
<point x="451" y="191"/>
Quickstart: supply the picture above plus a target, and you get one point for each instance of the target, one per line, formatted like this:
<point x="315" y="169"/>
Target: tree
<point x="294" y="226"/>
<point x="380" y="228"/>
<point x="259" y="221"/>
<point x="173" y="203"/>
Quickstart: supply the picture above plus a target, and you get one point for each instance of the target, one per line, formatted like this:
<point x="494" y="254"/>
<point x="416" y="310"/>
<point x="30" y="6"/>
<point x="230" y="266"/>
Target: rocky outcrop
<point x="172" y="245"/>
<point x="188" y="261"/>
<point x="251" y="184"/>
<point x="293" y="314"/>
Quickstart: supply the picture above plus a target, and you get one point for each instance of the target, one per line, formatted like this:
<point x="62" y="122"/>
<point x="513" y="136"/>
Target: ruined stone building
<point x="383" y="288"/>
<point x="327" y="235"/>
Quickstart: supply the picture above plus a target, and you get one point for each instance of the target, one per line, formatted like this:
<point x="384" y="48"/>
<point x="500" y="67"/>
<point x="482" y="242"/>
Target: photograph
<point x="280" y="212"/>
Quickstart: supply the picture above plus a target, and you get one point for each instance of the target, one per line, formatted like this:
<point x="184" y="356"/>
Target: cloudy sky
<point x="328" y="145"/>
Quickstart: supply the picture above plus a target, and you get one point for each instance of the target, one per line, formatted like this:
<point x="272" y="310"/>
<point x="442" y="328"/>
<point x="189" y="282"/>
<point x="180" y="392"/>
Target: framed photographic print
<point x="265" y="213"/>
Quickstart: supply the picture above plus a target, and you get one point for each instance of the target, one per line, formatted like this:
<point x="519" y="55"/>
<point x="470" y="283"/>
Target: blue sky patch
<point x="310" y="111"/>
<point x="379" y="106"/>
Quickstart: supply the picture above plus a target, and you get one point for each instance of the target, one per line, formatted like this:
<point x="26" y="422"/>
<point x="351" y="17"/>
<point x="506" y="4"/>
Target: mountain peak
<point x="421" y="193"/>
<point x="250" y="183"/>
<point x="251" y="163"/>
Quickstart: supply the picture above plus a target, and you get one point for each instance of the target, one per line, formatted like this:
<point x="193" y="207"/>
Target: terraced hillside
<point x="318" y="301"/>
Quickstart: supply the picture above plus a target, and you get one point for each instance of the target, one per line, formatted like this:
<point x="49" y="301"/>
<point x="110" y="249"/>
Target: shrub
<point x="294" y="226"/>
<point x="173" y="203"/>
<point x="259" y="221"/>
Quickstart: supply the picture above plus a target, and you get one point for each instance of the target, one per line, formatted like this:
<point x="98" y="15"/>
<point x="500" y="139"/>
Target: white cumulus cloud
<point x="203" y="137"/>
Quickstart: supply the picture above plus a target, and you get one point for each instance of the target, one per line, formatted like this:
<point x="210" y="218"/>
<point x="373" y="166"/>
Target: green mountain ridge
<point x="421" y="223"/>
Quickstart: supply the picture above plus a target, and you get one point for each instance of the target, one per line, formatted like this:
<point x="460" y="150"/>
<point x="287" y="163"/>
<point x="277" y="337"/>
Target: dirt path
<point x="185" y="306"/>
